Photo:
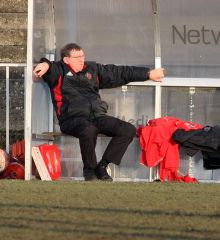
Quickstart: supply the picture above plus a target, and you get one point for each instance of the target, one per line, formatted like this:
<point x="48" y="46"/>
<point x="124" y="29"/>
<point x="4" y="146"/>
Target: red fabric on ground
<point x="158" y="147"/>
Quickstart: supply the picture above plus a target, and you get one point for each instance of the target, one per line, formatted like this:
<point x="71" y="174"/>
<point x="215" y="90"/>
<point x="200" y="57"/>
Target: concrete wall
<point x="13" y="30"/>
<point x="13" y="40"/>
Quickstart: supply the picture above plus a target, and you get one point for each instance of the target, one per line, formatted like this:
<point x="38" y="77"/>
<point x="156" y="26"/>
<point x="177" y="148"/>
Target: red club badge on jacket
<point x="88" y="76"/>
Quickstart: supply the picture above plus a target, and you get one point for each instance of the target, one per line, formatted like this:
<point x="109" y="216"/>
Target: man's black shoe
<point x="101" y="172"/>
<point x="89" y="175"/>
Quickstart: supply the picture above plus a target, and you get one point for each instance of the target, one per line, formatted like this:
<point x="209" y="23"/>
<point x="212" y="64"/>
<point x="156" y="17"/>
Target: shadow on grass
<point x="112" y="210"/>
<point x="103" y="229"/>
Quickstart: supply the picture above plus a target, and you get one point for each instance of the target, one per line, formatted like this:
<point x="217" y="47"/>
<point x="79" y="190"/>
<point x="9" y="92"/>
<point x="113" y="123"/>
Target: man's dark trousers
<point x="86" y="130"/>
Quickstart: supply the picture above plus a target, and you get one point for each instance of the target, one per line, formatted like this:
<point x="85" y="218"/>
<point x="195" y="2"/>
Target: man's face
<point x="75" y="60"/>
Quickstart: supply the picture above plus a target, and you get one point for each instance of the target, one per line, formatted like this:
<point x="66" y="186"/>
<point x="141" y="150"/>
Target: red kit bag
<point x="14" y="170"/>
<point x="47" y="161"/>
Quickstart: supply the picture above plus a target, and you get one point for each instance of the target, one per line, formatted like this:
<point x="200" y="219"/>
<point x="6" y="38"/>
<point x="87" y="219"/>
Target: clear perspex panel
<point x="135" y="105"/>
<point x="189" y="49"/>
<point x="190" y="37"/>
<point x="110" y="32"/>
<point x="43" y="46"/>
<point x="199" y="105"/>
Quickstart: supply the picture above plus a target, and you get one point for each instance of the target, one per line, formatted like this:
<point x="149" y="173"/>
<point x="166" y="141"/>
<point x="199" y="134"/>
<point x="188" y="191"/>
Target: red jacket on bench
<point x="158" y="147"/>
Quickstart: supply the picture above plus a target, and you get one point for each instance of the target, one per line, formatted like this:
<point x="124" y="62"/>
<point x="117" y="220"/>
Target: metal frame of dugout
<point x="182" y="36"/>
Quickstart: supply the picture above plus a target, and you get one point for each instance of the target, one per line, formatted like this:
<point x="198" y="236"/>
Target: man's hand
<point x="156" y="74"/>
<point x="41" y="69"/>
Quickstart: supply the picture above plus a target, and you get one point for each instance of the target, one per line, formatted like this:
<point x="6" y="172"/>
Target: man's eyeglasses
<point x="77" y="57"/>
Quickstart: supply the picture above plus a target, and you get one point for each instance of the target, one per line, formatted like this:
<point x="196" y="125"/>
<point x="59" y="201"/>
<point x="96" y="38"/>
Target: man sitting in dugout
<point x="74" y="85"/>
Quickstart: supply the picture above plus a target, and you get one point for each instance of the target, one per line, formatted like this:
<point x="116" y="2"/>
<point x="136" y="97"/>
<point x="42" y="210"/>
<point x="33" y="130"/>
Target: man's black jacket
<point x="207" y="140"/>
<point x="77" y="94"/>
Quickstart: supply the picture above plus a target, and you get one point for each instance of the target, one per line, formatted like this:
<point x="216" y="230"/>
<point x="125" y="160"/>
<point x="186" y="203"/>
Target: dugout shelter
<point x="182" y="36"/>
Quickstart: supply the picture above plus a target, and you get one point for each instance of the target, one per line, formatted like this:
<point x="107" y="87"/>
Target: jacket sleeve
<point x="111" y="76"/>
<point x="54" y="72"/>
